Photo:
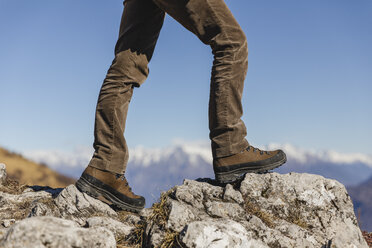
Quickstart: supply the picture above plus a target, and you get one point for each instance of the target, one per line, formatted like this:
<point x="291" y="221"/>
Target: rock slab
<point x="269" y="210"/>
<point x="40" y="232"/>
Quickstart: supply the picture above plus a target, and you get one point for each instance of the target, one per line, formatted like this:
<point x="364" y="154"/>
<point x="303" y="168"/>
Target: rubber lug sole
<point x="238" y="174"/>
<point x="93" y="191"/>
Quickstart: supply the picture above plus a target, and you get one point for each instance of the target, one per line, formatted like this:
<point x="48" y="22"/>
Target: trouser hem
<point x="230" y="150"/>
<point x="102" y="165"/>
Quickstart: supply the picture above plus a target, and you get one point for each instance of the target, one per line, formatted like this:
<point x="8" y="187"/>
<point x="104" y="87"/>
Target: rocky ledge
<point x="268" y="210"/>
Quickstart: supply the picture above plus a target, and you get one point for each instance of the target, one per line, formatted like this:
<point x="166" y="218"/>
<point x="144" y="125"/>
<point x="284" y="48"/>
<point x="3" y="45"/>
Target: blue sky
<point x="309" y="80"/>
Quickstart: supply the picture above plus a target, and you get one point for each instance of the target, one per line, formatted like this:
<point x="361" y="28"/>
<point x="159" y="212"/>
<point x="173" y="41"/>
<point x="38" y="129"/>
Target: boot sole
<point x="238" y="174"/>
<point x="90" y="189"/>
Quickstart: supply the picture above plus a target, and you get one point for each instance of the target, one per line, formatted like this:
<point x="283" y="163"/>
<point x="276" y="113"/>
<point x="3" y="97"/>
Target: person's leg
<point x="213" y="23"/>
<point x="139" y="30"/>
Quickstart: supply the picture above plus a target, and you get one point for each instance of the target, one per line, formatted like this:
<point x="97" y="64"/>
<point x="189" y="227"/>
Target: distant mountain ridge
<point x="350" y="169"/>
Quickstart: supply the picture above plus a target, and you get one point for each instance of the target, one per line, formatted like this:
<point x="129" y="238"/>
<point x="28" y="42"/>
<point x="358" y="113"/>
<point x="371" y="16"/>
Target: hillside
<point x="28" y="172"/>
<point x="362" y="198"/>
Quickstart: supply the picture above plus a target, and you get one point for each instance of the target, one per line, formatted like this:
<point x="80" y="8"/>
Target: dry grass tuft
<point x="159" y="217"/>
<point x="124" y="246"/>
<point x="368" y="237"/>
<point x="12" y="187"/>
<point x="49" y="202"/>
<point x="266" y="218"/>
<point x="122" y="243"/>
<point x="122" y="215"/>
<point x="22" y="211"/>
<point x="135" y="240"/>
<point x="295" y="216"/>
<point x="138" y="233"/>
<point x="160" y="211"/>
<point x="171" y="240"/>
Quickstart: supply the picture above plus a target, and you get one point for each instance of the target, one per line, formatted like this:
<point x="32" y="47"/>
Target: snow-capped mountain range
<point x="152" y="170"/>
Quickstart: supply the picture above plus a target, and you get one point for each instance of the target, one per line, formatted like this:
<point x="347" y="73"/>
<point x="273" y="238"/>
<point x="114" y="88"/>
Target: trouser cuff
<point x="230" y="150"/>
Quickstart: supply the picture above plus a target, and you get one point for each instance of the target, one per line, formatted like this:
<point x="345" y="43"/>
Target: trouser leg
<point x="213" y="23"/>
<point x="139" y="30"/>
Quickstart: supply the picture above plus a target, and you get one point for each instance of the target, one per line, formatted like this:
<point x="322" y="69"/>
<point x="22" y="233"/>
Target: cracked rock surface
<point x="71" y="204"/>
<point x="44" y="217"/>
<point x="56" y="232"/>
<point x="267" y="210"/>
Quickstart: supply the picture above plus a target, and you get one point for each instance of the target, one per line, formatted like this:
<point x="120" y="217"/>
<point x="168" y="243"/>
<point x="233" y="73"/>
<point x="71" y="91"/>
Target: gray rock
<point x="51" y="232"/>
<point x="26" y="196"/>
<point x="196" y="193"/>
<point x="156" y="238"/>
<point x="227" y="210"/>
<point x="307" y="209"/>
<point x="232" y="195"/>
<point x="270" y="210"/>
<point x="42" y="209"/>
<point x="73" y="205"/>
<point x="17" y="206"/>
<point x="2" y="233"/>
<point x="218" y="234"/>
<point x="2" y="173"/>
<point x="179" y="215"/>
<point x="7" y="223"/>
<point x="119" y="229"/>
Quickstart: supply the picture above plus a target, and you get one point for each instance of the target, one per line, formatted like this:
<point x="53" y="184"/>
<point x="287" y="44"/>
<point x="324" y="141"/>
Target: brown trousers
<point x="142" y="20"/>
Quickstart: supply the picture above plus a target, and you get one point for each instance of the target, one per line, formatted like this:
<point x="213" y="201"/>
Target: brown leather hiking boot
<point x="251" y="160"/>
<point x="113" y="187"/>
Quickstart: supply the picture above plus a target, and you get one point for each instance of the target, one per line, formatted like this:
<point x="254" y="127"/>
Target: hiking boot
<point x="113" y="187"/>
<point x="251" y="160"/>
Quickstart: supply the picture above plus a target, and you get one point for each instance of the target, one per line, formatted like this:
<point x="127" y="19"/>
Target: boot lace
<point x="122" y="178"/>
<point x="256" y="149"/>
